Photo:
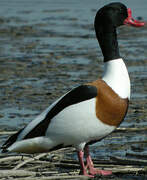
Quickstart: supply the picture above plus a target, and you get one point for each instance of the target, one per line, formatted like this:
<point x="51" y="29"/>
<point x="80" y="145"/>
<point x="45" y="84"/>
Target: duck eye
<point x="121" y="10"/>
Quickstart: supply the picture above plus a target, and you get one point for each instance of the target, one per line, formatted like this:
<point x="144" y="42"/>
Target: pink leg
<point x="83" y="169"/>
<point x="90" y="165"/>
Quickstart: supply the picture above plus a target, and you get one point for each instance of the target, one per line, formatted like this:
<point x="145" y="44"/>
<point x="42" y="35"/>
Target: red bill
<point x="132" y="22"/>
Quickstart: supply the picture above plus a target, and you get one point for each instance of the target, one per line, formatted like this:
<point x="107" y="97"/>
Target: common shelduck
<point x="89" y="112"/>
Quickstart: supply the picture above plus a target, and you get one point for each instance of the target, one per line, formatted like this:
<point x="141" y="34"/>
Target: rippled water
<point x="48" y="47"/>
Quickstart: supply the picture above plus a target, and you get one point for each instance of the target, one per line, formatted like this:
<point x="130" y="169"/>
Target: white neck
<point x="117" y="77"/>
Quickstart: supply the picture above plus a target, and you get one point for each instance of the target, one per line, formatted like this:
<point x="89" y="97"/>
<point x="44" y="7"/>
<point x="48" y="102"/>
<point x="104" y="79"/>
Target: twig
<point x="20" y="173"/>
<point x="29" y="160"/>
<point x="12" y="158"/>
<point x="123" y="129"/>
<point x="7" y="132"/>
<point x="126" y="170"/>
<point x="127" y="161"/>
<point x="79" y="177"/>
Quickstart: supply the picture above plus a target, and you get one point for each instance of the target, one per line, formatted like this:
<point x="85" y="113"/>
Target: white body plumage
<point x="76" y="124"/>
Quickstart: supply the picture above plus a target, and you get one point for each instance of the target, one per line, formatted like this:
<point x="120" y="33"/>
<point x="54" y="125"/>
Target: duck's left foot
<point x="94" y="171"/>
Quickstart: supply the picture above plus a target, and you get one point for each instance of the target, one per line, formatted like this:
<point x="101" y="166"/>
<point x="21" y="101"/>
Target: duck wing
<point x="38" y="126"/>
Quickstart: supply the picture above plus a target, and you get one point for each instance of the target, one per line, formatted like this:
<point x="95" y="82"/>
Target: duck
<point x="89" y="112"/>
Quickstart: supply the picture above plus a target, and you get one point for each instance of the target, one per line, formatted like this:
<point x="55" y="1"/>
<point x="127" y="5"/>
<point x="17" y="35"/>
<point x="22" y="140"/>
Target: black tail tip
<point x="4" y="150"/>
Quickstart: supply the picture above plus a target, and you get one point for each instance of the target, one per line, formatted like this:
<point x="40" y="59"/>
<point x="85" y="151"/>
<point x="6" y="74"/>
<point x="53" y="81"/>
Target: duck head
<point x="107" y="19"/>
<point x="115" y="15"/>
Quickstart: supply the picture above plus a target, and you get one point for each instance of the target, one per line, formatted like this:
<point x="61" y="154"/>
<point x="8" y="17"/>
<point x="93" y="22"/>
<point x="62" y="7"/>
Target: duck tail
<point x="12" y="139"/>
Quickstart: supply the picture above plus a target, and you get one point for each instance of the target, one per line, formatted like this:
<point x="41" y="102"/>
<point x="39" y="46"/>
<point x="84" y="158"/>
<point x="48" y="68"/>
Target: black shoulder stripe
<point x="77" y="95"/>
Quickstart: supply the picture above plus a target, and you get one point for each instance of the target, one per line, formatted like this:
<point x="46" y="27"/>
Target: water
<point x="48" y="47"/>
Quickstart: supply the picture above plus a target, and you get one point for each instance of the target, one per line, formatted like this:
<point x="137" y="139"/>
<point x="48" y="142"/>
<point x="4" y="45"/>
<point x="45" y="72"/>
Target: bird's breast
<point x="110" y="108"/>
